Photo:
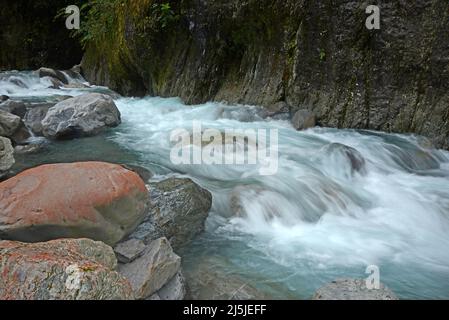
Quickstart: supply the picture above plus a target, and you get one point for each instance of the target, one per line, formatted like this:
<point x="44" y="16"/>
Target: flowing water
<point x="329" y="212"/>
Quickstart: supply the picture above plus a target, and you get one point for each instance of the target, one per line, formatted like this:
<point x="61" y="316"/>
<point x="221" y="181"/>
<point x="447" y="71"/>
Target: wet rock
<point x="304" y="119"/>
<point x="145" y="174"/>
<point x="129" y="251"/>
<point x="353" y="289"/>
<point x="34" y="116"/>
<point x="95" y="200"/>
<point x="85" y="115"/>
<point x="149" y="273"/>
<point x="75" y="86"/>
<point x="55" y="83"/>
<point x="68" y="269"/>
<point x="207" y="281"/>
<point x="179" y="210"/>
<point x="56" y="74"/>
<point x="345" y="156"/>
<point x="3" y="98"/>
<point x="277" y="111"/>
<point x="17" y="108"/>
<point x="6" y="155"/>
<point x="175" y="289"/>
<point x="27" y="149"/>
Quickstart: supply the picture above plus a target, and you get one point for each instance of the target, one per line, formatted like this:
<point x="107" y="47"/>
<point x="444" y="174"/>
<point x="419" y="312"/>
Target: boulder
<point x="304" y="119"/>
<point x="129" y="250"/>
<point x="85" y="115"/>
<point x="353" y="289"/>
<point x="179" y="210"/>
<point x="69" y="269"/>
<point x="95" y="200"/>
<point x="9" y="123"/>
<point x="17" y="108"/>
<point x="34" y="116"/>
<point x="6" y="155"/>
<point x="3" y="98"/>
<point x="277" y="111"/>
<point x="58" y="75"/>
<point x="348" y="159"/>
<point x="149" y="273"/>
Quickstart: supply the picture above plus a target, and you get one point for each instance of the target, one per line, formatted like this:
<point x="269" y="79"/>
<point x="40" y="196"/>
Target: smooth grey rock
<point x="304" y="119"/>
<point x="129" y="250"/>
<point x="6" y="154"/>
<point x="17" y="108"/>
<point x="353" y="289"/>
<point x="149" y="273"/>
<point x="85" y="115"/>
<point x="174" y="289"/>
<point x="179" y="210"/>
<point x="47" y="72"/>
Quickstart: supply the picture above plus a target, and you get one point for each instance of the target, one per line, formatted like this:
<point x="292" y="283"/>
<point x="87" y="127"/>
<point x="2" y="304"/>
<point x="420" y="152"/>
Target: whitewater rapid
<point x="322" y="216"/>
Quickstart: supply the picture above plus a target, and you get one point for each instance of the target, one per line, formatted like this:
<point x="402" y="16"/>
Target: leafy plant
<point x="322" y="55"/>
<point x="164" y="14"/>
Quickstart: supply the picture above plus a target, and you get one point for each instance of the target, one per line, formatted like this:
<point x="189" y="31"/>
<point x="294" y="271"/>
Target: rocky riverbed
<point x="92" y="207"/>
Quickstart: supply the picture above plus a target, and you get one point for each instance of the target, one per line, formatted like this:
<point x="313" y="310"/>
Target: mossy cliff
<point x="31" y="36"/>
<point x="316" y="55"/>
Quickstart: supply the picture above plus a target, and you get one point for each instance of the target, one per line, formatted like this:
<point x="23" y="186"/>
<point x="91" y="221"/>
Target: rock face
<point x="69" y="269"/>
<point x="304" y="119"/>
<point x="261" y="52"/>
<point x="85" y="115"/>
<point x="6" y="155"/>
<point x="95" y="200"/>
<point x="154" y="269"/>
<point x="352" y="289"/>
<point x="48" y="44"/>
<point x="179" y="210"/>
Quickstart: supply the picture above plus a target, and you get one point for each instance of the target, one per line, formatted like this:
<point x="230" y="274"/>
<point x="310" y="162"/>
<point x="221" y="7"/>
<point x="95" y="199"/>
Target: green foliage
<point x="322" y="55"/>
<point x="164" y="14"/>
<point x="98" y="20"/>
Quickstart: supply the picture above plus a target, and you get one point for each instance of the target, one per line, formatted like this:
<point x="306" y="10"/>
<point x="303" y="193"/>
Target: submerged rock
<point x="304" y="119"/>
<point x="345" y="157"/>
<point x="353" y="289"/>
<point x="85" y="115"/>
<point x="149" y="273"/>
<point x="56" y="74"/>
<point x="68" y="269"/>
<point x="179" y="210"/>
<point x="94" y="200"/>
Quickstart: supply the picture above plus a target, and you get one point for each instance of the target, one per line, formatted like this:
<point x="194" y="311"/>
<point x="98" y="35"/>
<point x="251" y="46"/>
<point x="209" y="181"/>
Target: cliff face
<point x="316" y="55"/>
<point x="31" y="37"/>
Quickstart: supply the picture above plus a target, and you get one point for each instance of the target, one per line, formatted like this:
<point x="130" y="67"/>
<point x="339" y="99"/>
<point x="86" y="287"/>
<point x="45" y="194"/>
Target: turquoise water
<point x="314" y="220"/>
